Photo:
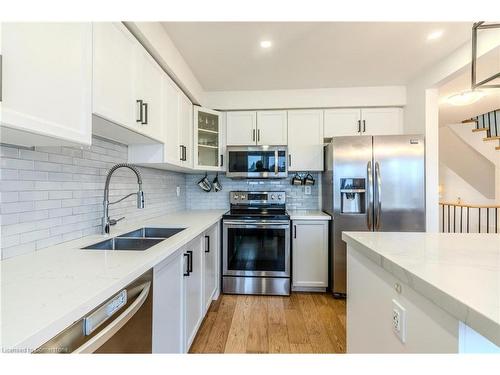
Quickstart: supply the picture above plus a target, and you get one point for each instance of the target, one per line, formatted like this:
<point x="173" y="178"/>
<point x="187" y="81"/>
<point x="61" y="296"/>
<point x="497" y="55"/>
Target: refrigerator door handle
<point x="378" y="191"/>
<point x="369" y="191"/>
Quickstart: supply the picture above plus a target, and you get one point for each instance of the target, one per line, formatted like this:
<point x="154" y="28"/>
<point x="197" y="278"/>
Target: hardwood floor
<point x="301" y="323"/>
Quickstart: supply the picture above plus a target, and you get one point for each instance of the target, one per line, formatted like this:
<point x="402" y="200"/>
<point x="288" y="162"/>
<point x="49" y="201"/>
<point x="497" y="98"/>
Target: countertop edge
<point x="455" y="307"/>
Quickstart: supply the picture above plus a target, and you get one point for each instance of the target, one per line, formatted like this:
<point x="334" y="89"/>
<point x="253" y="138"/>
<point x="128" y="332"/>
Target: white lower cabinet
<point x="193" y="290"/>
<point x="168" y="300"/>
<point x="210" y="265"/>
<point x="310" y="254"/>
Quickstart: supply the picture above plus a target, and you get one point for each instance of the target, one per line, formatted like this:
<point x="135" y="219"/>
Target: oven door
<point x="257" y="162"/>
<point x="256" y="248"/>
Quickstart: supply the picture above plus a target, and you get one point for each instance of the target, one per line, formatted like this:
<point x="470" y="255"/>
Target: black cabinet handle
<point x="221" y="160"/>
<point x="258" y="135"/>
<point x="145" y="122"/>
<point x="289" y="159"/>
<point x="187" y="271"/>
<point x="207" y="244"/>
<point x="140" y="102"/>
<point x="253" y="135"/>
<point x="294" y="231"/>
<point x="182" y="152"/>
<point x="190" y="263"/>
<point x="364" y="126"/>
<point x="359" y="126"/>
<point x="185" y="152"/>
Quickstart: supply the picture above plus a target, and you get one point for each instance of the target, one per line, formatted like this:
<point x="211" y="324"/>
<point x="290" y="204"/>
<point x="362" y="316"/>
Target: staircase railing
<point x="466" y="218"/>
<point x="489" y="121"/>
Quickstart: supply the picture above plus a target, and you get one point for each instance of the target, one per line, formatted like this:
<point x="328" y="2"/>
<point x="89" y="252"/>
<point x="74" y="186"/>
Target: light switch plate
<point x="178" y="191"/>
<point x="307" y="190"/>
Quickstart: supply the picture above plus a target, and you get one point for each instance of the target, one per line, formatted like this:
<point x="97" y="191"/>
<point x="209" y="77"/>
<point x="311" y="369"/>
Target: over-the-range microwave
<point x="257" y="162"/>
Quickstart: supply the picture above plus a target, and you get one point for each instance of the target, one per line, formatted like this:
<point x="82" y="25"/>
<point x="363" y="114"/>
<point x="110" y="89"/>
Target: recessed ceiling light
<point x="265" y="43"/>
<point x="435" y="35"/>
<point x="466" y="97"/>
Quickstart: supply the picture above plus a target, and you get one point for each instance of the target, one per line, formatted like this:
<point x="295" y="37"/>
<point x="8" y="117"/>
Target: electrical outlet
<point x="178" y="191"/>
<point x="307" y="190"/>
<point x="399" y="320"/>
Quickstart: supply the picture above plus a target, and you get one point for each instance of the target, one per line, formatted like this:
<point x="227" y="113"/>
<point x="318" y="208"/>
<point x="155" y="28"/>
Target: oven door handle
<point x="256" y="224"/>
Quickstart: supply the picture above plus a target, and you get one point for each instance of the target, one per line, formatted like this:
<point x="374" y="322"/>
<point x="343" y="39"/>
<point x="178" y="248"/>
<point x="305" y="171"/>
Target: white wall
<point x="389" y="96"/>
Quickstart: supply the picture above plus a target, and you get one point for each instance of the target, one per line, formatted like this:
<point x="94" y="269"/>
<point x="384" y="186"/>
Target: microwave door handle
<point x="100" y="338"/>
<point x="369" y="191"/>
<point x="378" y="193"/>
<point x="276" y="162"/>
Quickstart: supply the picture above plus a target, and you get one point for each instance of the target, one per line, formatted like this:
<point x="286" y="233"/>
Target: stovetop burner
<point x="257" y="205"/>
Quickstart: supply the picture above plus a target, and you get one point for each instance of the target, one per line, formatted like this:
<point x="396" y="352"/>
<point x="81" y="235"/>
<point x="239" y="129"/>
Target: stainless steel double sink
<point x="136" y="240"/>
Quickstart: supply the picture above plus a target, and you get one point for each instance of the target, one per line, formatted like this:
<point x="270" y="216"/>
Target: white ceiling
<point x="227" y="55"/>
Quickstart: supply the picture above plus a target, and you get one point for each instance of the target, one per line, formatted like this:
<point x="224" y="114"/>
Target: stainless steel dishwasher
<point x="122" y="324"/>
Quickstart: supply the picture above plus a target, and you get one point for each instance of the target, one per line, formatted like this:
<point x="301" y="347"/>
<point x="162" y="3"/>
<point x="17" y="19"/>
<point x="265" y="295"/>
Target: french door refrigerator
<point x="371" y="184"/>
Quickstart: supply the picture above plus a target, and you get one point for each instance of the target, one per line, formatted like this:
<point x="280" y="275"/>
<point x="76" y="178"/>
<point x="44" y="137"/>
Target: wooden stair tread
<point x="497" y="148"/>
<point x="496" y="138"/>
<point x="480" y="130"/>
<point x="469" y="122"/>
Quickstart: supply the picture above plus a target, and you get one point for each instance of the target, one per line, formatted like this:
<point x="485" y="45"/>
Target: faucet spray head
<point x="140" y="198"/>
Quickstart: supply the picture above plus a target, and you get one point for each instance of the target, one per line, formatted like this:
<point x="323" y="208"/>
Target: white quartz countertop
<point x="458" y="272"/>
<point x="308" y="215"/>
<point x="46" y="291"/>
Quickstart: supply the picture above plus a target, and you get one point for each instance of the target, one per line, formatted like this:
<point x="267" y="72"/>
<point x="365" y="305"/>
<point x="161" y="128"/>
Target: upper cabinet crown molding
<point x="45" y="102"/>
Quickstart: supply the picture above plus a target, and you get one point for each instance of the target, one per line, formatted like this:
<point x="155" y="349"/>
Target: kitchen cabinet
<point x="310" y="254"/>
<point x="210" y="265"/>
<point x="250" y="128"/>
<point x="168" y="302"/>
<point x="127" y="83"/>
<point x="193" y="290"/>
<point x="208" y="152"/>
<point x="363" y="121"/>
<point x="272" y="128"/>
<point x="46" y="83"/>
<point x="382" y="121"/>
<point x="305" y="140"/>
<point x="241" y="128"/>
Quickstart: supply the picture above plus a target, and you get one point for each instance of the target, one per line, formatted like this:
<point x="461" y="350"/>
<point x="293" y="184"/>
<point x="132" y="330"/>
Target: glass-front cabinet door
<point x="207" y="137"/>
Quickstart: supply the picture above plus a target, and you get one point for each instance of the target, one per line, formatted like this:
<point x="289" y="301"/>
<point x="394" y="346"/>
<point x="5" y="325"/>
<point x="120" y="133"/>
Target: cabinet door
<point x="241" y="128"/>
<point x="149" y="91"/>
<point x="207" y="139"/>
<point x="168" y="329"/>
<point x="210" y="275"/>
<point x="47" y="82"/>
<point x="382" y="121"/>
<point x="114" y="71"/>
<point x="305" y="140"/>
<point x="193" y="292"/>
<point x="186" y="129"/>
<point x="171" y="136"/>
<point x="310" y="253"/>
<point x="340" y="122"/>
<point x="272" y="128"/>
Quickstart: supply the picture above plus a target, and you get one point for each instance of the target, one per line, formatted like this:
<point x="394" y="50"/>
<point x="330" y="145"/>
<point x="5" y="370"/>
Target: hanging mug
<point x="216" y="184"/>
<point x="296" y="180"/>
<point x="204" y="184"/>
<point x="309" y="180"/>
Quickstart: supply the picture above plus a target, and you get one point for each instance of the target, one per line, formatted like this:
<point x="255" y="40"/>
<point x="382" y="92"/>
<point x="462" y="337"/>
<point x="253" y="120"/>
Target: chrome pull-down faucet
<point x="106" y="221"/>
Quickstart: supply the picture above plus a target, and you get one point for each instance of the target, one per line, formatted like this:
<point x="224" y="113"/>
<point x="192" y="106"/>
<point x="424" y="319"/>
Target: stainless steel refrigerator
<point x="371" y="184"/>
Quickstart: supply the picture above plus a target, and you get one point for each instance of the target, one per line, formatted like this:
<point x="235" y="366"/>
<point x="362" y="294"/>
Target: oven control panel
<point x="257" y="197"/>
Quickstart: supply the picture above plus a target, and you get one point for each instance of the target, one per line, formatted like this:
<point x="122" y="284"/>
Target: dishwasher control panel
<point x="103" y="313"/>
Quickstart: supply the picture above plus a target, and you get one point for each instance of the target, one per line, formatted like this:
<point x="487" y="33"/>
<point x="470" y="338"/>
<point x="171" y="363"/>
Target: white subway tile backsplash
<point x="54" y="194"/>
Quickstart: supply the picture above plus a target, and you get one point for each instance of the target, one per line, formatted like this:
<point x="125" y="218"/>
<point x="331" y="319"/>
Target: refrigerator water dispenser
<point x="352" y="192"/>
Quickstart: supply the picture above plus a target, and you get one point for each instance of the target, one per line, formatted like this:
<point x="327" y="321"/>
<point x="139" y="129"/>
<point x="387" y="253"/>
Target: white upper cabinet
<point x="149" y="94"/>
<point x="364" y="121"/>
<point x="186" y="130"/>
<point x="305" y="140"/>
<point x="272" y="128"/>
<point x="46" y="83"/>
<point x="207" y="147"/>
<point x="241" y="128"/>
<point x="115" y="52"/>
<point x="382" y="121"/>
<point x="340" y="122"/>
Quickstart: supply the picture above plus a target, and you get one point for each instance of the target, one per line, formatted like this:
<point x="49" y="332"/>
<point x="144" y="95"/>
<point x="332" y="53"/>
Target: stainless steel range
<point x="256" y="244"/>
